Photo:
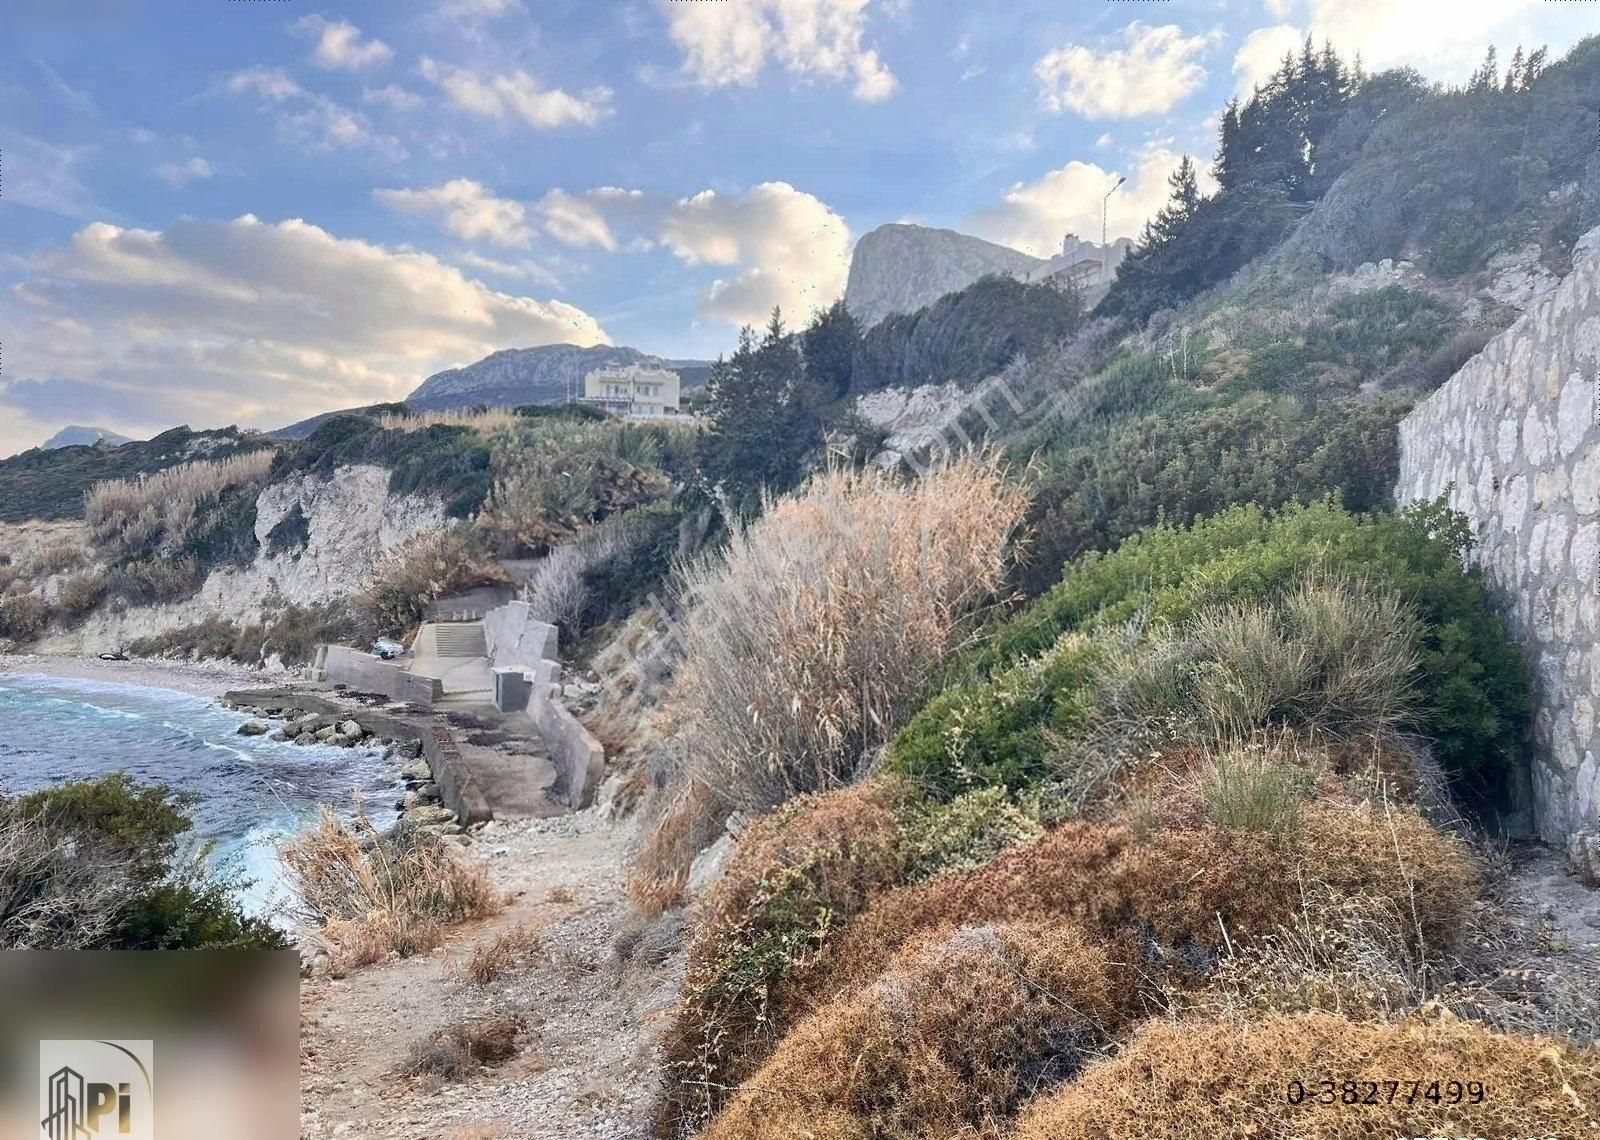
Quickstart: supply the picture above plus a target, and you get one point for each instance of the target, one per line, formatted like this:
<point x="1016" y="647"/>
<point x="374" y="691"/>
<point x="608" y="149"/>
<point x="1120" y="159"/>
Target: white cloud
<point x="523" y="270"/>
<point x="1034" y="216"/>
<point x="1153" y="71"/>
<point x="313" y="119"/>
<point x="271" y="83"/>
<point x="730" y="43"/>
<point x="593" y="217"/>
<point x="392" y="96"/>
<point x="788" y="247"/>
<point x="467" y="209"/>
<point x="476" y="9"/>
<point x="181" y="174"/>
<point x="1443" y="46"/>
<point x="517" y="95"/>
<point x="340" y="44"/>
<point x="1279" y="9"/>
<point x="214" y="322"/>
<point x="44" y="176"/>
<point x="1261" y="54"/>
<point x="791" y="249"/>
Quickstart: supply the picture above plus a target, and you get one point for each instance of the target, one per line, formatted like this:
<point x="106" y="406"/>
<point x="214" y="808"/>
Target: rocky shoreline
<point x="279" y="718"/>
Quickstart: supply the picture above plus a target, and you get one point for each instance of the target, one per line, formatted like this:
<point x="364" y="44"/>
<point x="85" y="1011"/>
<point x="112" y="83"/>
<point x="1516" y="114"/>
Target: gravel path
<point x="584" y="1060"/>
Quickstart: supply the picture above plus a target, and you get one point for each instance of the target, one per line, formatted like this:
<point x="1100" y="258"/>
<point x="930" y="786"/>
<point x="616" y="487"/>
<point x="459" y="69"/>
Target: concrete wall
<point x="368" y="674"/>
<point x="1514" y="438"/>
<point x="457" y="789"/>
<point x="578" y="756"/>
<point x="527" y="648"/>
<point x="515" y="639"/>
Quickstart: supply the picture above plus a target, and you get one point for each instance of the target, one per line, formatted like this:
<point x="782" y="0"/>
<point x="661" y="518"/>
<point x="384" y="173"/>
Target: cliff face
<point x="350" y="521"/>
<point x="548" y="374"/>
<point x="900" y="268"/>
<point x="1513" y="439"/>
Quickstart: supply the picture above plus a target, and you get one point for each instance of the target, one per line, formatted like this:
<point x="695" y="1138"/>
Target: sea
<point x="250" y="792"/>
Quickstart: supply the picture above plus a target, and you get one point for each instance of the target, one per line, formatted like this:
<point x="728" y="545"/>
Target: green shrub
<point x="1182" y="464"/>
<point x="999" y="732"/>
<point x="290" y="533"/>
<point x="1248" y="790"/>
<point x="1472" y="692"/>
<point x="22" y="616"/>
<point x="964" y="833"/>
<point x="162" y="901"/>
<point x="447" y="460"/>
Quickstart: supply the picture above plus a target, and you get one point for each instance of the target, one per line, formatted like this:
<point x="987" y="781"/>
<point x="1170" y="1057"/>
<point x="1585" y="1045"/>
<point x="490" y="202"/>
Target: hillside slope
<point x="548" y="374"/>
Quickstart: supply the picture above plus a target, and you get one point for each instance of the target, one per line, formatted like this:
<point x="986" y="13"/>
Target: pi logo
<point x="95" y="1090"/>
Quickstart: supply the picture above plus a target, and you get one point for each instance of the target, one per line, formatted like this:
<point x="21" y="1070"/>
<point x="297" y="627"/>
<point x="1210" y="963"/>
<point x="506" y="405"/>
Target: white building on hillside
<point x="1087" y="263"/>
<point x="633" y="390"/>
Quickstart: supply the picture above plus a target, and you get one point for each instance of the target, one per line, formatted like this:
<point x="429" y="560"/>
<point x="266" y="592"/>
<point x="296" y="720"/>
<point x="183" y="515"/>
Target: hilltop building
<point x="635" y="390"/>
<point x="1086" y="263"/>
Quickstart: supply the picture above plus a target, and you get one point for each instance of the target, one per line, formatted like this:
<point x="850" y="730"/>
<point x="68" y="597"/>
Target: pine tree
<point x="1514" y="80"/>
<point x="1487" y="77"/>
<point x="764" y="424"/>
<point x="829" y="344"/>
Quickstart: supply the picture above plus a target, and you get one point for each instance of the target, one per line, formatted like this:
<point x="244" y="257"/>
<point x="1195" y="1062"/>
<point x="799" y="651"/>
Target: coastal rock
<point x="325" y="732"/>
<point x="254" y="728"/>
<point x="428" y="815"/>
<point x="352" y="730"/>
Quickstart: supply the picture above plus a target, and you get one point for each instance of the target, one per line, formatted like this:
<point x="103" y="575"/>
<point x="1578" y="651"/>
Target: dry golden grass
<point x="484" y="422"/>
<point x="795" y="875"/>
<point x="460" y="1049"/>
<point x="814" y="631"/>
<point x="1188" y="888"/>
<point x="959" y="1029"/>
<point x="128" y="513"/>
<point x="425" y="567"/>
<point x="818" y="625"/>
<point x="510" y="950"/>
<point x="370" y="895"/>
<point x="1228" y="1079"/>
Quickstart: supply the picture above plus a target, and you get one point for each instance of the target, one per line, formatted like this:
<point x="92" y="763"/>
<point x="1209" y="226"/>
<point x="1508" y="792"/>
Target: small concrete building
<point x="1086" y="263"/>
<point x="636" y="390"/>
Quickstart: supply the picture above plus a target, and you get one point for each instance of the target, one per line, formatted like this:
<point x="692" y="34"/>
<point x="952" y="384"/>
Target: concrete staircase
<point x="460" y="639"/>
<point x="456" y="653"/>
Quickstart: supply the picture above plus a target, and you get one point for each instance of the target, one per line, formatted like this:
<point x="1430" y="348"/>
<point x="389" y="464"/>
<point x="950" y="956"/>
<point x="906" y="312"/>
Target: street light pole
<point x="1105" y="207"/>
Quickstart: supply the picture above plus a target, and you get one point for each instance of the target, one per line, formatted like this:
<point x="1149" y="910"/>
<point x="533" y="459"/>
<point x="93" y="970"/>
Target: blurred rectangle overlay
<point x="126" y="1045"/>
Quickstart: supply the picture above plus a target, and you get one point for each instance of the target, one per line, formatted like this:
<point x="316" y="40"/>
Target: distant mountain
<point x="902" y="268"/>
<point x="549" y="374"/>
<point x="75" y="436"/>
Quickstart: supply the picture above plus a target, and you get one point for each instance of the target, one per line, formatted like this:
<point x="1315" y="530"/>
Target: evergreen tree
<point x="829" y="344"/>
<point x="764" y="424"/>
<point x="1487" y="77"/>
<point x="1514" y="79"/>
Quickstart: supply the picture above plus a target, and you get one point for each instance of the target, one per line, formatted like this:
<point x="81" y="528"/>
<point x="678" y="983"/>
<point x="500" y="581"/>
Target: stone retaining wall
<point x="1513" y="439"/>
<point x="365" y="673"/>
<point x="522" y="652"/>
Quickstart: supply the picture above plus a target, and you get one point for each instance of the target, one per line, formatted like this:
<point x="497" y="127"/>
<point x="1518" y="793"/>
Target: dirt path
<point x="1538" y="949"/>
<point x="583" y="1061"/>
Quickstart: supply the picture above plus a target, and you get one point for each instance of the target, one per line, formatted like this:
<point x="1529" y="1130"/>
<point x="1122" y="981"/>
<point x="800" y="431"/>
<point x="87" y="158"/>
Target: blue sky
<point x="248" y="211"/>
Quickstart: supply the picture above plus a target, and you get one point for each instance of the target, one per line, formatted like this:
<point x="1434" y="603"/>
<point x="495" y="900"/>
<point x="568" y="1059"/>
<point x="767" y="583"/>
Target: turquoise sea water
<point x="250" y="791"/>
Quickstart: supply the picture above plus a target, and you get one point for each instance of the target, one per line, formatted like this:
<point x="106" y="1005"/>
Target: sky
<point x="250" y="211"/>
